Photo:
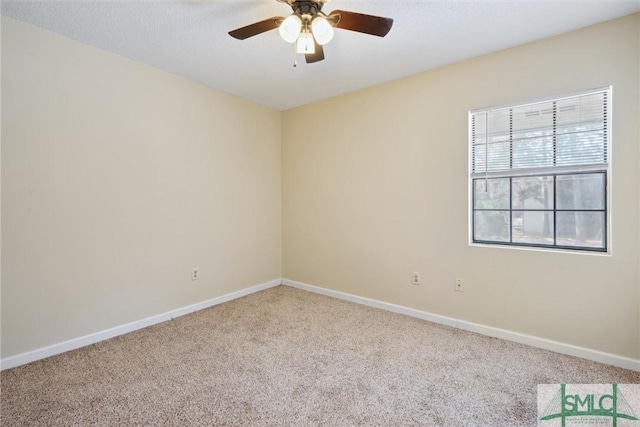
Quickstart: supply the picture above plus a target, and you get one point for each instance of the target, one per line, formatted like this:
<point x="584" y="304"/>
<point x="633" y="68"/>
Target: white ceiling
<point x="190" y="38"/>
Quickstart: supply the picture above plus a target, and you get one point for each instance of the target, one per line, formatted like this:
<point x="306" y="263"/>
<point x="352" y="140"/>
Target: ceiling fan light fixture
<point x="322" y="30"/>
<point x="306" y="44"/>
<point x="310" y="28"/>
<point x="290" y="28"/>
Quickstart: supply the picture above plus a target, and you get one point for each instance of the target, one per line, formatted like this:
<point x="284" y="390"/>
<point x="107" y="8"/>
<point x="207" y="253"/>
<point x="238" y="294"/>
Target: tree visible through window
<point x="539" y="173"/>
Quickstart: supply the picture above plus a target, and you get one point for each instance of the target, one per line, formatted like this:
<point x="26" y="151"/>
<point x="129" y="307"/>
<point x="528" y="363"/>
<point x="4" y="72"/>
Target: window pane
<point x="491" y="226"/>
<point x="585" y="191"/>
<point x="533" y="192"/>
<point x="533" y="119"/>
<point x="497" y="160"/>
<point x="533" y="152"/>
<point x="533" y="227"/>
<point x="494" y="155"/>
<point x="581" y="114"/>
<point x="580" y="229"/>
<point x="498" y="126"/>
<point x="580" y="148"/>
<point x="491" y="193"/>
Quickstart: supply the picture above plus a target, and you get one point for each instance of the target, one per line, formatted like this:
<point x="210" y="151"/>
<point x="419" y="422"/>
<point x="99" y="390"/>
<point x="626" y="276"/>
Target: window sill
<point x="548" y="250"/>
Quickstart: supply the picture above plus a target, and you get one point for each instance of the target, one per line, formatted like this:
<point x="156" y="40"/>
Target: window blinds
<point x="554" y="136"/>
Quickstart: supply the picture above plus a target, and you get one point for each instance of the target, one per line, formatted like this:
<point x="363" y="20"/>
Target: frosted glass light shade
<point x="305" y="43"/>
<point x="290" y="28"/>
<point x="322" y="30"/>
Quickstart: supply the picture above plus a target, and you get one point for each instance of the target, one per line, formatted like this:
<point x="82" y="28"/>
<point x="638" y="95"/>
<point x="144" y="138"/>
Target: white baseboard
<point x="41" y="353"/>
<point x="558" y="347"/>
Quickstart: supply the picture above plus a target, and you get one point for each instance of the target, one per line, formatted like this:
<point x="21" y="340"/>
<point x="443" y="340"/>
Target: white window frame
<point x="608" y="179"/>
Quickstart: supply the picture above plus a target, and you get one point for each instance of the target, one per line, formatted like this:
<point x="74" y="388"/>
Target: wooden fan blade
<point x="368" y="24"/>
<point x="315" y="57"/>
<point x="256" y="28"/>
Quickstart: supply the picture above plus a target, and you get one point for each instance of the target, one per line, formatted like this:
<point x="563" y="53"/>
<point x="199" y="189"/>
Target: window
<point x="539" y="173"/>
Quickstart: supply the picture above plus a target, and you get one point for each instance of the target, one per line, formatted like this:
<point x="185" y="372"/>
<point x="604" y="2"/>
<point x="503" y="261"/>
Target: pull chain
<point x="295" y="58"/>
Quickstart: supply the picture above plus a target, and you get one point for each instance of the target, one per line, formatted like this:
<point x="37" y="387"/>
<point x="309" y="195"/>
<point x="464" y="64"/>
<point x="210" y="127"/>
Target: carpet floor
<point x="286" y="357"/>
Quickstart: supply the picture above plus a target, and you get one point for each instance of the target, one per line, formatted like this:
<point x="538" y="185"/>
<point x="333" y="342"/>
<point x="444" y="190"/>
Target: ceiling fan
<point x="310" y="28"/>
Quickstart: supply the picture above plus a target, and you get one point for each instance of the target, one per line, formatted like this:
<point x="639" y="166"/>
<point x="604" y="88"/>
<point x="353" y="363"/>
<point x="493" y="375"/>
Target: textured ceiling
<point x="190" y="39"/>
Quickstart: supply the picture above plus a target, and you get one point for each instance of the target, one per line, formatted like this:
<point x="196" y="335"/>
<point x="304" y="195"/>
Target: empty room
<point x="308" y="212"/>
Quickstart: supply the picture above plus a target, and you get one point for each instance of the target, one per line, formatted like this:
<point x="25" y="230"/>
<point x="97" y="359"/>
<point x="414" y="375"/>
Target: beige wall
<point x="117" y="179"/>
<point x="379" y="189"/>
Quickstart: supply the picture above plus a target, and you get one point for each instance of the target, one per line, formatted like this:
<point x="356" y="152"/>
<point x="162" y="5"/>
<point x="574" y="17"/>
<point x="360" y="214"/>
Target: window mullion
<point x="511" y="139"/>
<point x="555" y="126"/>
<point x="510" y="210"/>
<point x="555" y="222"/>
<point x="555" y="154"/>
<point x="511" y="179"/>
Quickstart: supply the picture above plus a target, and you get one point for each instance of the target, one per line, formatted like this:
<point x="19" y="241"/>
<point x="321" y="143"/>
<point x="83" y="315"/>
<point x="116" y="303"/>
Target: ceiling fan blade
<point x="315" y="57"/>
<point x="256" y="28"/>
<point x="368" y="24"/>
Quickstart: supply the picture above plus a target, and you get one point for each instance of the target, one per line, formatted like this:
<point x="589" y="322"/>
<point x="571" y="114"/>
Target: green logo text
<point x="564" y="405"/>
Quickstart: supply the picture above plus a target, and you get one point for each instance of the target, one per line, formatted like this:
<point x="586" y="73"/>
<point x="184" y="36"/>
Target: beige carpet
<point x="288" y="357"/>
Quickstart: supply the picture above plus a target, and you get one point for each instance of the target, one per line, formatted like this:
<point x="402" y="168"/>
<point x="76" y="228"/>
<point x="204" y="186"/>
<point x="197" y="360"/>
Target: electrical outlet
<point x="458" y="286"/>
<point x="195" y="273"/>
<point x="415" y="278"/>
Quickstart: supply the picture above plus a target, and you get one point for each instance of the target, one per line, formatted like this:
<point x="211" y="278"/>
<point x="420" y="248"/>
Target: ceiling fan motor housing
<point x="306" y="7"/>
